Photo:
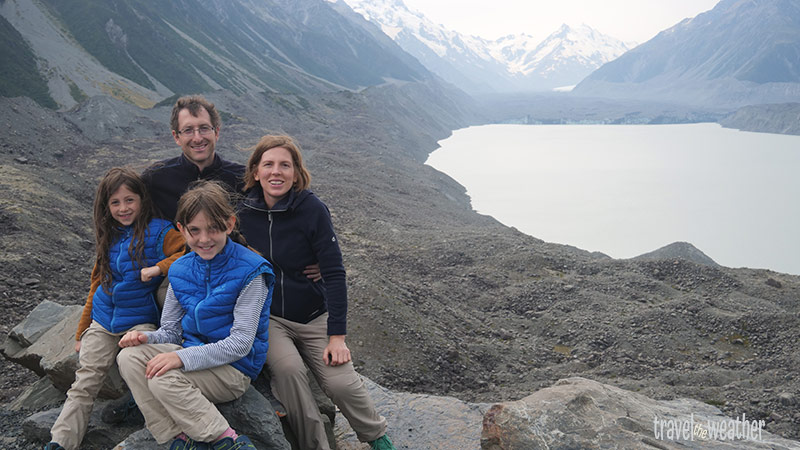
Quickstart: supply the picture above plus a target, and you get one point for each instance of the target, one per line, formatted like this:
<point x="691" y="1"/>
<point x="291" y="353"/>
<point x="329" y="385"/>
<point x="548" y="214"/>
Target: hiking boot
<point x="241" y="443"/>
<point x="188" y="444"/>
<point x="53" y="446"/>
<point x="123" y="411"/>
<point x="382" y="443"/>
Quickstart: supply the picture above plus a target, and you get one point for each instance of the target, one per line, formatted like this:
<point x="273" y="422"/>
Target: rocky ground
<point x="442" y="299"/>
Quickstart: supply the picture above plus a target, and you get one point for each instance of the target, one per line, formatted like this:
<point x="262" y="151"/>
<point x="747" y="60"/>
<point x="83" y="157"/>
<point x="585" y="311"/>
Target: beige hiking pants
<point x="99" y="348"/>
<point x="180" y="401"/>
<point x="292" y="343"/>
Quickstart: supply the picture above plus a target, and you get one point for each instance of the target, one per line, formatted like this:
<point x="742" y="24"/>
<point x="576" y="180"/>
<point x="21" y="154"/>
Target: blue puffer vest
<point x="207" y="291"/>
<point x="130" y="301"/>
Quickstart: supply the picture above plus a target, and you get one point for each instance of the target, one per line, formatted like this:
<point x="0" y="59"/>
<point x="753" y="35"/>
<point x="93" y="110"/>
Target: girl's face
<point x="275" y="174"/>
<point x="124" y="205"/>
<point x="202" y="237"/>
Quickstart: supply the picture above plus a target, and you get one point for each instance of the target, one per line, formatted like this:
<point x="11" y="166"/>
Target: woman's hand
<point x="161" y="363"/>
<point x="148" y="273"/>
<point x="336" y="353"/>
<point x="78" y="347"/>
<point x="312" y="272"/>
<point x="132" y="339"/>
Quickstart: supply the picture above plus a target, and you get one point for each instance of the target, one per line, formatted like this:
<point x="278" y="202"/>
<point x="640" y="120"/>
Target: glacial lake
<point x="625" y="190"/>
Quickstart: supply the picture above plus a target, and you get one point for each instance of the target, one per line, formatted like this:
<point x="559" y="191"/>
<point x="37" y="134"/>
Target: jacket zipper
<point x="271" y="257"/>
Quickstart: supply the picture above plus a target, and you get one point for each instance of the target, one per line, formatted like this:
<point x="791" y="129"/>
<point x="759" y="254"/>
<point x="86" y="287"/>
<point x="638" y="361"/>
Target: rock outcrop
<point x="581" y="413"/>
<point x="679" y="250"/>
<point x="45" y="343"/>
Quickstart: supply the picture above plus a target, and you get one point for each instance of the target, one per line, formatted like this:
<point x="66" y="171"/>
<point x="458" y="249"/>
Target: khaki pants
<point x="292" y="343"/>
<point x="99" y="347"/>
<point x="180" y="401"/>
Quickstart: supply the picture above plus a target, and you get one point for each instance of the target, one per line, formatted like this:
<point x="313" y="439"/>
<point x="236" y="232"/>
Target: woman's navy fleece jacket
<point x="295" y="233"/>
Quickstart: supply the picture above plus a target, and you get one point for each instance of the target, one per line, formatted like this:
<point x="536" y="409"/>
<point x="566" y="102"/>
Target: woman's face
<point x="276" y="174"/>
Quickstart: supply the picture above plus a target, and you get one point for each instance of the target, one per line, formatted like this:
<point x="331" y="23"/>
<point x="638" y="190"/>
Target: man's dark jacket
<point x="167" y="180"/>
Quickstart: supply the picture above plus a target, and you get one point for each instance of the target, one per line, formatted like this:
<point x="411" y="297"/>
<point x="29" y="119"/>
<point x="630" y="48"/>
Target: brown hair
<point x="193" y="103"/>
<point x="107" y="229"/>
<point x="211" y="198"/>
<point x="269" y="142"/>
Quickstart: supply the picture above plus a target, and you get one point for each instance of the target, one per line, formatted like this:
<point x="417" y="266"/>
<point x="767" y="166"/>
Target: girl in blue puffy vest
<point x="134" y="250"/>
<point x="213" y="336"/>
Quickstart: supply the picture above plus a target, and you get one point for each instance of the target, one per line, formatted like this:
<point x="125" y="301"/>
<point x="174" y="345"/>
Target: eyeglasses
<point x="204" y="130"/>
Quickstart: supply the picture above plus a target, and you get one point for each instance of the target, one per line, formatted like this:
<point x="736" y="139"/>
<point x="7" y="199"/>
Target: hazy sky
<point x="628" y="20"/>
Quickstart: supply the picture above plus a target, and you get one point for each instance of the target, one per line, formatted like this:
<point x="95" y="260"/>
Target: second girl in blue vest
<point x="213" y="336"/>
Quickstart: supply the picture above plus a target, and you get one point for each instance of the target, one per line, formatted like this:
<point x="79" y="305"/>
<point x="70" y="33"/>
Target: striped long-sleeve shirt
<point x="233" y="348"/>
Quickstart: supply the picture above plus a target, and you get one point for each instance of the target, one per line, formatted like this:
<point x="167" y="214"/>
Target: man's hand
<point x="148" y="273"/>
<point x="312" y="272"/>
<point x="336" y="353"/>
<point x="132" y="339"/>
<point x="161" y="363"/>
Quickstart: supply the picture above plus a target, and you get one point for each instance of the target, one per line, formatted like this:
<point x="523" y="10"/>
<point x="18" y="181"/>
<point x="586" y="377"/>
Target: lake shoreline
<point x="599" y="187"/>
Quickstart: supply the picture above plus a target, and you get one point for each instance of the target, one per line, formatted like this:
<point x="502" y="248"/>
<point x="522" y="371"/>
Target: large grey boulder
<point x="581" y="413"/>
<point x="45" y="343"/>
<point x="37" y="396"/>
<point x="419" y="421"/>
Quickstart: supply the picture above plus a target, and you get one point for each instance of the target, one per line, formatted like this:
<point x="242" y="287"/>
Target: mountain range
<point x="143" y="52"/>
<point x="741" y="52"/>
<point x="513" y="63"/>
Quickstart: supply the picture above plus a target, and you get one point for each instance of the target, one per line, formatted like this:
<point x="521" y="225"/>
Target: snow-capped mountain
<point x="563" y="59"/>
<point x="478" y="65"/>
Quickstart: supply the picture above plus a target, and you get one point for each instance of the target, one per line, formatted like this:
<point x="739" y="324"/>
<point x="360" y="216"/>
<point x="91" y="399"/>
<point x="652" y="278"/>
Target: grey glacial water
<point x="625" y="190"/>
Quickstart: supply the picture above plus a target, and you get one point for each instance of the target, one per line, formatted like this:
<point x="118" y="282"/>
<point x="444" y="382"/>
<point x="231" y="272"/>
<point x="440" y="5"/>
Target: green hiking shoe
<point x="382" y="443"/>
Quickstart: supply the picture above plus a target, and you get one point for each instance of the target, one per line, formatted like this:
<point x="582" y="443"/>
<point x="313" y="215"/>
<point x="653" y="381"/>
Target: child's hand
<point x="336" y="352"/>
<point x="78" y="347"/>
<point x="149" y="272"/>
<point x="312" y="272"/>
<point x="132" y="339"/>
<point x="161" y="363"/>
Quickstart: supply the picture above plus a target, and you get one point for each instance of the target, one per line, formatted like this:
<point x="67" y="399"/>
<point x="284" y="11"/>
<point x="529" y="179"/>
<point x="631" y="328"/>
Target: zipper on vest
<point x="207" y="282"/>
<point x="113" y="299"/>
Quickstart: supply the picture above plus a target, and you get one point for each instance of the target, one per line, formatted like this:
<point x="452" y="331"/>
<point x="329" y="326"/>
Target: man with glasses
<point x="195" y="125"/>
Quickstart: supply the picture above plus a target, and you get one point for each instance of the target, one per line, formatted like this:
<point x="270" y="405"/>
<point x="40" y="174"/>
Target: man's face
<point x="197" y="146"/>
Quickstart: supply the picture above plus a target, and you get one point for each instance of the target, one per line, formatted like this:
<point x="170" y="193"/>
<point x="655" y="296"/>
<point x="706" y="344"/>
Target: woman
<point x="292" y="228"/>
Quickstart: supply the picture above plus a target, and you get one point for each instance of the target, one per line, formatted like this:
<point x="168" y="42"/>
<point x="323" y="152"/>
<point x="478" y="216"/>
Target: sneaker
<point x="123" y="410"/>
<point x="188" y="444"/>
<point x="241" y="443"/>
<point x="382" y="443"/>
<point x="53" y="446"/>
